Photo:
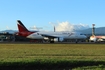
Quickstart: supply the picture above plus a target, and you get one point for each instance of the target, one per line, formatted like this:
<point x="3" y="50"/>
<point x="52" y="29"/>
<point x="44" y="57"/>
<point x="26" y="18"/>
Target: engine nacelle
<point x="58" y="39"/>
<point x="61" y="39"/>
<point x="55" y="39"/>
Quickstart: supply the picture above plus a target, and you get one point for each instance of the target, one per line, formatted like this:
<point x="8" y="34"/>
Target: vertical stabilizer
<point x="21" y="27"/>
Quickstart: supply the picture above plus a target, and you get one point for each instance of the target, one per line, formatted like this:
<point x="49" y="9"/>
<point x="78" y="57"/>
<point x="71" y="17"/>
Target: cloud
<point x="35" y="28"/>
<point x="67" y="26"/>
<point x="7" y="27"/>
<point x="64" y="26"/>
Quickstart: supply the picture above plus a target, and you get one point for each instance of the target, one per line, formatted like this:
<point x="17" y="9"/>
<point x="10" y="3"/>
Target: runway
<point x="51" y="43"/>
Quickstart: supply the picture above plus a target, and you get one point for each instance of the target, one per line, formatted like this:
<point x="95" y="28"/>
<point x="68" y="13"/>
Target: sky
<point x="48" y="13"/>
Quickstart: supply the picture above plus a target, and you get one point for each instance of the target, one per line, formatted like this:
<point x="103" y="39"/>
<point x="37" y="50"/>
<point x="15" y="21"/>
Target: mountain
<point x="100" y="30"/>
<point x="80" y="27"/>
<point x="9" y="31"/>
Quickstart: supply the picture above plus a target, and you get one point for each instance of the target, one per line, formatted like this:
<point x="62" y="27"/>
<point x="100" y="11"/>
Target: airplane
<point x="94" y="38"/>
<point x="51" y="36"/>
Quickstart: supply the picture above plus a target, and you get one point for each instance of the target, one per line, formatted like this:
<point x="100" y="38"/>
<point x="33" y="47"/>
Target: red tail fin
<point x="23" y="31"/>
<point x="21" y="27"/>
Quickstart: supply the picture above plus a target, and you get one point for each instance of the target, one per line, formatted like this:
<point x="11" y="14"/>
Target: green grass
<point x="48" y="55"/>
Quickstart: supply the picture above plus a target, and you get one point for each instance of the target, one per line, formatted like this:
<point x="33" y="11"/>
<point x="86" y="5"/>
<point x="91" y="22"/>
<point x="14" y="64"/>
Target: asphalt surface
<point x="51" y="43"/>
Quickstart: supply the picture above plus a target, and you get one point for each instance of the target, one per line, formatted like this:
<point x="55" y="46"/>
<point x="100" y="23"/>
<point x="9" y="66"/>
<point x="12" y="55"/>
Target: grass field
<point x="52" y="55"/>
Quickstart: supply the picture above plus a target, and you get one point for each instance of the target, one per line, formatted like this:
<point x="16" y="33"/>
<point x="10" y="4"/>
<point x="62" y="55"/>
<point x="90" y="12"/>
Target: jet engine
<point x="61" y="39"/>
<point x="58" y="39"/>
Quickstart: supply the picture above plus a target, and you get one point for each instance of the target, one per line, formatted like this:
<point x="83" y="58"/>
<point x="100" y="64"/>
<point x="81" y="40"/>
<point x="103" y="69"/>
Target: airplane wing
<point x="60" y="38"/>
<point x="50" y="36"/>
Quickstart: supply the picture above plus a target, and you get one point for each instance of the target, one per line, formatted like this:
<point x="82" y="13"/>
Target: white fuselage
<point x="65" y="35"/>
